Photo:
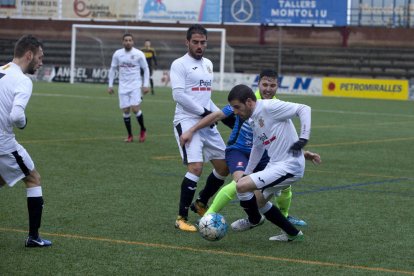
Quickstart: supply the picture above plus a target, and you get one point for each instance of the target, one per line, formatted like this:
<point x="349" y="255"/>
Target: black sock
<point x="127" y="122"/>
<point x="276" y="217"/>
<point x="140" y="119"/>
<point x="251" y="209"/>
<point x="213" y="184"/>
<point x="188" y="188"/>
<point x="35" y="207"/>
<point x="152" y="85"/>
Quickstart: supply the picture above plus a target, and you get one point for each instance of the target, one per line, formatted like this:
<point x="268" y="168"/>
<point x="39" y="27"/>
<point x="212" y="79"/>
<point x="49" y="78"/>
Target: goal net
<point x="93" y="46"/>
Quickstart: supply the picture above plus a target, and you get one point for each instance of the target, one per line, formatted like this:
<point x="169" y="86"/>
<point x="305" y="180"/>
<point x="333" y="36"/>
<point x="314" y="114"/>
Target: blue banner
<point x="305" y="12"/>
<point x="286" y="12"/>
<point x="241" y="11"/>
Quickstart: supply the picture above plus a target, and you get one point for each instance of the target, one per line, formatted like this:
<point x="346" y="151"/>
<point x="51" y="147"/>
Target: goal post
<point x="100" y="34"/>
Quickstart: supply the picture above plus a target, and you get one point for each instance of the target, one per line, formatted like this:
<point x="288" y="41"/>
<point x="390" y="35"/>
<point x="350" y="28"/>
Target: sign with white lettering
<point x="305" y="12"/>
<point x="286" y="12"/>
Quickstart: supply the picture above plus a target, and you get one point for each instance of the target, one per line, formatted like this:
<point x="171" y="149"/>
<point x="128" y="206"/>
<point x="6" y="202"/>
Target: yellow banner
<point x="365" y="88"/>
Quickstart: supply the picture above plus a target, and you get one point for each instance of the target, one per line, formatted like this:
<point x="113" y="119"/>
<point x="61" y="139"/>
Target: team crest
<point x="261" y="122"/>
<point x="209" y="69"/>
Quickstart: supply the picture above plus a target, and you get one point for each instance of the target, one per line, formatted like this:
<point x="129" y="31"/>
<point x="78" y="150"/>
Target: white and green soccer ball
<point x="212" y="227"/>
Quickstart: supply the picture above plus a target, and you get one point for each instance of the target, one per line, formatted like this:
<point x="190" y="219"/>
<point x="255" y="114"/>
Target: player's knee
<point x="195" y="168"/>
<point x="33" y="179"/>
<point x="245" y="184"/>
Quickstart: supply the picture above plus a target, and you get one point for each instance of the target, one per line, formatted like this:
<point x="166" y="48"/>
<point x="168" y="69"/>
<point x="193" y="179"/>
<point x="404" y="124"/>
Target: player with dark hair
<point x="15" y="162"/>
<point x="151" y="57"/>
<point x="191" y="80"/>
<point x="129" y="61"/>
<point x="238" y="150"/>
<point x="273" y="130"/>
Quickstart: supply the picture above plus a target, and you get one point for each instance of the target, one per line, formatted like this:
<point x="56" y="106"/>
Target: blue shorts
<point x="237" y="160"/>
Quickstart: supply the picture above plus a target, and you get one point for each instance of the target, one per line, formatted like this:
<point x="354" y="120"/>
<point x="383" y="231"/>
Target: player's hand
<point x="145" y="90"/>
<point x="186" y="138"/>
<point x="314" y="157"/>
<point x="110" y="90"/>
<point x="296" y="148"/>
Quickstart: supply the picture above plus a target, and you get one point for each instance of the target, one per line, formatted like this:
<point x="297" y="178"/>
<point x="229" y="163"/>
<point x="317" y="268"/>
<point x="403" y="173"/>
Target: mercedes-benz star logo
<point x="242" y="10"/>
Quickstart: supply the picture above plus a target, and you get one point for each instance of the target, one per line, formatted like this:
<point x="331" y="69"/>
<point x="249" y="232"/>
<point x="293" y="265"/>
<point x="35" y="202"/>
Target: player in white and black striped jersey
<point x="15" y="162"/>
<point x="129" y="61"/>
<point x="191" y="80"/>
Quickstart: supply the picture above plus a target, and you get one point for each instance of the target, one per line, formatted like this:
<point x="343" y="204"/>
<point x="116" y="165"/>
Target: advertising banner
<point x="29" y="9"/>
<point x="296" y="85"/>
<point x="242" y="11"/>
<point x="207" y="11"/>
<point x="305" y="12"/>
<point x="366" y="88"/>
<point x="286" y="12"/>
<point x="100" y="9"/>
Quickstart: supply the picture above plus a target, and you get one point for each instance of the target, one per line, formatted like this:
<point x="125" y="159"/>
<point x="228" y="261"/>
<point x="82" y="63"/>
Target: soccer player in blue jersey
<point x="239" y="147"/>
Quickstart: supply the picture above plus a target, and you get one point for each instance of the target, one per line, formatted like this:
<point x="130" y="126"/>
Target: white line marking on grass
<point x="219" y="252"/>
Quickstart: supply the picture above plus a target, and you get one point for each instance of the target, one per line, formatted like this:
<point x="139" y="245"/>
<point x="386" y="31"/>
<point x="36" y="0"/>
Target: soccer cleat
<point x="283" y="237"/>
<point x="245" y="224"/>
<point x="39" y="242"/>
<point x="182" y="224"/>
<point x="129" y="139"/>
<point x="142" y="136"/>
<point x="199" y="208"/>
<point x="297" y="221"/>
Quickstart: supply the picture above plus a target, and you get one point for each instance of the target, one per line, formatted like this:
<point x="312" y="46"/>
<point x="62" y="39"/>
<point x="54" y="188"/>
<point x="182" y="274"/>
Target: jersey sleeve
<point x="22" y="95"/>
<point x="281" y="110"/>
<point x="227" y="110"/>
<point x="177" y="77"/>
<point x="112" y="69"/>
<point x="144" y="66"/>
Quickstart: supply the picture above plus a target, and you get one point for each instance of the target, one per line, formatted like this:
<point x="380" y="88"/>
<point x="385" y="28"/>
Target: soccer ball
<point x="212" y="227"/>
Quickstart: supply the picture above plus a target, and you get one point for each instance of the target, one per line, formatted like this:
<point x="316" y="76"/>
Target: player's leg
<point x="16" y="166"/>
<point x="236" y="161"/>
<point x="124" y="104"/>
<point x="245" y="192"/>
<point x="192" y="156"/>
<point x="283" y="202"/>
<point x="214" y="181"/>
<point x="214" y="150"/>
<point x="223" y="197"/>
<point x="151" y="81"/>
<point x="270" y="179"/>
<point x="136" y="99"/>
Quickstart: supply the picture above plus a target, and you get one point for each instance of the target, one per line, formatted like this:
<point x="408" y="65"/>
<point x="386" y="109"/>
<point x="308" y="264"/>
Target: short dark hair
<point x="270" y="73"/>
<point x="196" y="29"/>
<point x="26" y="43"/>
<point x="241" y="93"/>
<point x="127" y="34"/>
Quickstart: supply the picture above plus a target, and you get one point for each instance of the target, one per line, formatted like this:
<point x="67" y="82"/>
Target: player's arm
<point x="144" y="66"/>
<point x="206" y="121"/>
<point x="177" y="78"/>
<point x="111" y="74"/>
<point x="22" y="96"/>
<point x="281" y="110"/>
<point x="304" y="114"/>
